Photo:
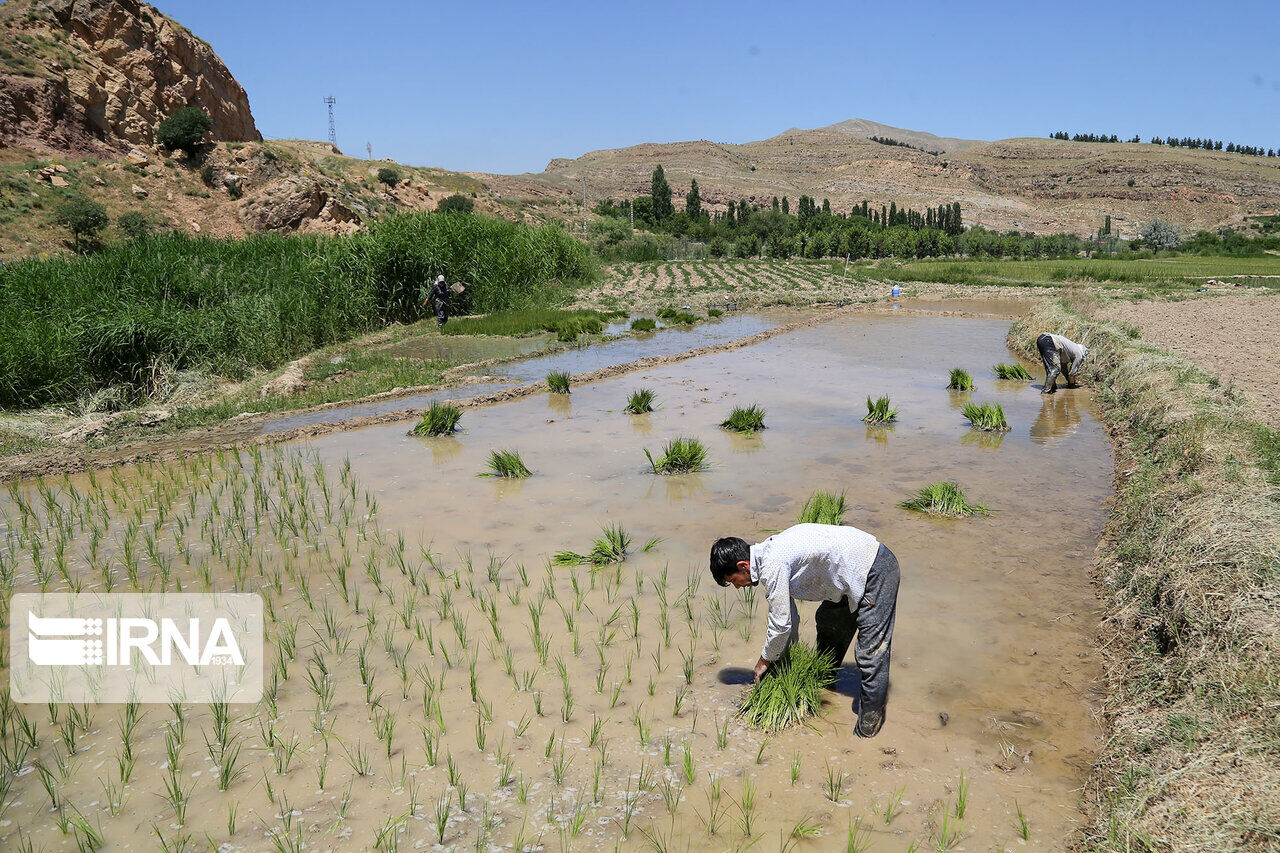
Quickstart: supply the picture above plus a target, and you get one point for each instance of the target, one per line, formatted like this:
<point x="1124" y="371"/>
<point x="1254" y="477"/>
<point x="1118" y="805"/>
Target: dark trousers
<point x="872" y="621"/>
<point x="1052" y="363"/>
<point x="442" y="311"/>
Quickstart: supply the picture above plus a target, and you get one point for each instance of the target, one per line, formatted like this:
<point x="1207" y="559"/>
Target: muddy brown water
<point x="994" y="631"/>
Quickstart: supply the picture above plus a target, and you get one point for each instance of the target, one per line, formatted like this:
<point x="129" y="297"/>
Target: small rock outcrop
<point x="98" y="76"/>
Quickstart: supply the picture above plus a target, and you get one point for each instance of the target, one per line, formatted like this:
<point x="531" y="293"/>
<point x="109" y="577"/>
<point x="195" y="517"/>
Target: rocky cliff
<point x="96" y="76"/>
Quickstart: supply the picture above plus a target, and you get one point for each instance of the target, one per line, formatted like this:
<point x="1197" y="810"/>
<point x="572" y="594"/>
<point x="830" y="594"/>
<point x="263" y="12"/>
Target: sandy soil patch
<point x="1236" y="338"/>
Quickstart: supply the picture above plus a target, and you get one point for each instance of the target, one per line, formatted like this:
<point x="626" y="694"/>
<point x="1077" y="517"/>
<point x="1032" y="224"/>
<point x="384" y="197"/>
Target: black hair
<point x="726" y="553"/>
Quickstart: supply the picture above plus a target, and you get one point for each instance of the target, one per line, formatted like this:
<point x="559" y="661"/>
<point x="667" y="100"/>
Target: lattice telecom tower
<point x="330" y="100"/>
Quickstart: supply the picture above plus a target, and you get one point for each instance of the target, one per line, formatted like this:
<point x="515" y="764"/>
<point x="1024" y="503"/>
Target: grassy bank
<point x="118" y="318"/>
<point x="1189" y="572"/>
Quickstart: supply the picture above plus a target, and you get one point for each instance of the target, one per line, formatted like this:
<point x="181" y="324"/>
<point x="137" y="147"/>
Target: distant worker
<point x="1063" y="356"/>
<point x="439" y="294"/>
<point x="854" y="576"/>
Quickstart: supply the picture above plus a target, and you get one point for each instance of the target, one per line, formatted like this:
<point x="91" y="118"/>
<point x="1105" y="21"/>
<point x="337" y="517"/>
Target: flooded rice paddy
<point x="434" y="683"/>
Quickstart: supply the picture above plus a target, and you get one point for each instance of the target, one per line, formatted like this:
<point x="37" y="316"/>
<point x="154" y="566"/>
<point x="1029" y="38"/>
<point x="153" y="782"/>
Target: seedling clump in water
<point x="745" y="419"/>
<point x="681" y="456"/>
<point x="1010" y="371"/>
<point x="558" y="382"/>
<point x="508" y="464"/>
<point x="878" y="411"/>
<point x="640" y="401"/>
<point x="440" y="419"/>
<point x="643" y="324"/>
<point x="987" y="416"/>
<point x="611" y="546"/>
<point x="960" y="380"/>
<point x="945" y="499"/>
<point x="790" y="691"/>
<point x="823" y="508"/>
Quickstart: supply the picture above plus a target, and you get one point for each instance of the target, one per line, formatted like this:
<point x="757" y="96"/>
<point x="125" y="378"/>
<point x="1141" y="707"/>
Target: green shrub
<point x="525" y="322"/>
<point x="640" y="402"/>
<point x="714" y="312"/>
<point x="790" y="691"/>
<point x="680" y="456"/>
<point x="1010" y="371"/>
<point x="206" y="174"/>
<point x="675" y="316"/>
<point x="457" y="204"/>
<point x="961" y="380"/>
<point x="643" y="324"/>
<point x="745" y="419"/>
<point x="823" y="508"/>
<point x="558" y="382"/>
<point x="987" y="416"/>
<point x="507" y="464"/>
<point x="184" y="129"/>
<point x="134" y="224"/>
<point x="389" y="175"/>
<point x="440" y="419"/>
<point x="945" y="499"/>
<point x="84" y="218"/>
<point x="878" y="412"/>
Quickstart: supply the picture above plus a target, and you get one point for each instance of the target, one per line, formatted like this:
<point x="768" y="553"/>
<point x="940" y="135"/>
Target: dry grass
<point x="1190" y="574"/>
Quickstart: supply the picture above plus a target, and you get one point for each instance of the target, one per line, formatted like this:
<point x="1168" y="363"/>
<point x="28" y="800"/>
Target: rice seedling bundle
<point x="945" y="499"/>
<point x="961" y="380"/>
<point x="558" y="382"/>
<point x="440" y="419"/>
<point x="507" y="464"/>
<point x="680" y="456"/>
<point x="1010" y="371"/>
<point x="878" y="411"/>
<point x="791" y="691"/>
<point x="611" y="546"/>
<point x="823" y="508"/>
<point x="745" y="419"/>
<point x="643" y="324"/>
<point x="640" y="401"/>
<point x="986" y="416"/>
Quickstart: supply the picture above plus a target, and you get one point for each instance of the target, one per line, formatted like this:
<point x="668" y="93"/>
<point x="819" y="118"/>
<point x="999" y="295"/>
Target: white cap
<point x="439" y="279"/>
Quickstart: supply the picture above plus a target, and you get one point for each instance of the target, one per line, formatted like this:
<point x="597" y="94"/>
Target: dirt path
<point x="1233" y="337"/>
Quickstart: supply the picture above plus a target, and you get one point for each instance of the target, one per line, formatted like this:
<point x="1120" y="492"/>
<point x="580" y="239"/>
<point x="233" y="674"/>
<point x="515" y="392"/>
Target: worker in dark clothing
<point x="1061" y="356"/>
<point x="439" y="294"/>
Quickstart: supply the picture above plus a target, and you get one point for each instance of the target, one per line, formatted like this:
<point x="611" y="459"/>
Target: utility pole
<point x="584" y="206"/>
<point x="368" y="151"/>
<point x="631" y="208"/>
<point x="329" y="101"/>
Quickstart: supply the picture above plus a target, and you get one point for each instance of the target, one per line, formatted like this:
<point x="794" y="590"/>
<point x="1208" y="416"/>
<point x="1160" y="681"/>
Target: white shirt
<point x="1072" y="350"/>
<point x="811" y="562"/>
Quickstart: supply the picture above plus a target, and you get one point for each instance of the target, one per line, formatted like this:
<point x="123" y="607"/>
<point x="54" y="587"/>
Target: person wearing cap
<point x="852" y="574"/>
<point x="1060" y="356"/>
<point x="439" y="294"/>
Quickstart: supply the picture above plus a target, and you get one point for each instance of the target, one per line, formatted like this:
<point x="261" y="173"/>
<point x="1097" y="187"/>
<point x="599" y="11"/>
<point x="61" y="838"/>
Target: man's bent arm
<point x="782" y="617"/>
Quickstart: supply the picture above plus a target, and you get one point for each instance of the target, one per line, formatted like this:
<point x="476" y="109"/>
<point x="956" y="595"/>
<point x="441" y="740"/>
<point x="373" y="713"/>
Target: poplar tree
<point x="660" y="192"/>
<point x="693" y="202"/>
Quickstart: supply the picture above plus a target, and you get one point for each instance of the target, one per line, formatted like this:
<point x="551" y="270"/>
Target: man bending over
<point x="1063" y="356"/>
<point x="850" y="572"/>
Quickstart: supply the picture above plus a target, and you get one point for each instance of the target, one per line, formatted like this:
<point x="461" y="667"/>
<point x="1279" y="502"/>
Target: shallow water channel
<point x="599" y="709"/>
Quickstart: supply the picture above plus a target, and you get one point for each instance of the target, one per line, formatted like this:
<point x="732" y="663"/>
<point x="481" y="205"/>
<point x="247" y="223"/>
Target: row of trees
<point x="1204" y="144"/>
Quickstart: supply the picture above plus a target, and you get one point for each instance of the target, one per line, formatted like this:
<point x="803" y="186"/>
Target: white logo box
<point x="151" y="648"/>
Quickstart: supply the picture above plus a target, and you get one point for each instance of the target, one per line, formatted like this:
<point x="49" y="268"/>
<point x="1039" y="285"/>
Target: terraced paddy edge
<point x="1189" y="570"/>
<point x="321" y="420"/>
<point x="600" y="713"/>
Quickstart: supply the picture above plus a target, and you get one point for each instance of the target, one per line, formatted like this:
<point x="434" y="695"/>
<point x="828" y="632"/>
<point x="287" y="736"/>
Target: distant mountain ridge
<point x="923" y="140"/>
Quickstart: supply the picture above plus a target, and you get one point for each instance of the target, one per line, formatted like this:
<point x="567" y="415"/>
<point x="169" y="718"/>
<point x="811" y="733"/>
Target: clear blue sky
<point x="504" y="87"/>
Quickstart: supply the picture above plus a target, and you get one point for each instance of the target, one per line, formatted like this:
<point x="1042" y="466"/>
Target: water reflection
<point x="560" y="404"/>
<point x="443" y="448"/>
<point x="959" y="399"/>
<point x="880" y="434"/>
<point x="983" y="439"/>
<point x="741" y="443"/>
<point x="679" y="487"/>
<point x="642" y="424"/>
<point x="1059" y="417"/>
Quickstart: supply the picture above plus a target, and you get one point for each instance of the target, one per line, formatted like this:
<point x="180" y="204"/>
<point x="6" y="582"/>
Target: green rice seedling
<point x="795" y="767"/>
<point x="944" y="499"/>
<point x="1010" y="371"/>
<point x="961" y="380"/>
<point x="987" y="416"/>
<point x="440" y="419"/>
<point x="892" y="806"/>
<point x="878" y="411"/>
<point x="507" y="464"/>
<point x="947" y="831"/>
<point x="681" y="455"/>
<point x="558" y="382"/>
<point x="714" y="312"/>
<point x="823" y="508"/>
<point x="640" y="401"/>
<point x="745" y="419"/>
<point x="643" y="324"/>
<point x="1022" y="826"/>
<point x="687" y="763"/>
<point x="962" y="796"/>
<point x="833" y="786"/>
<point x="859" y="837"/>
<point x="444" y="807"/>
<point x="747" y="808"/>
<point x="790" y="691"/>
